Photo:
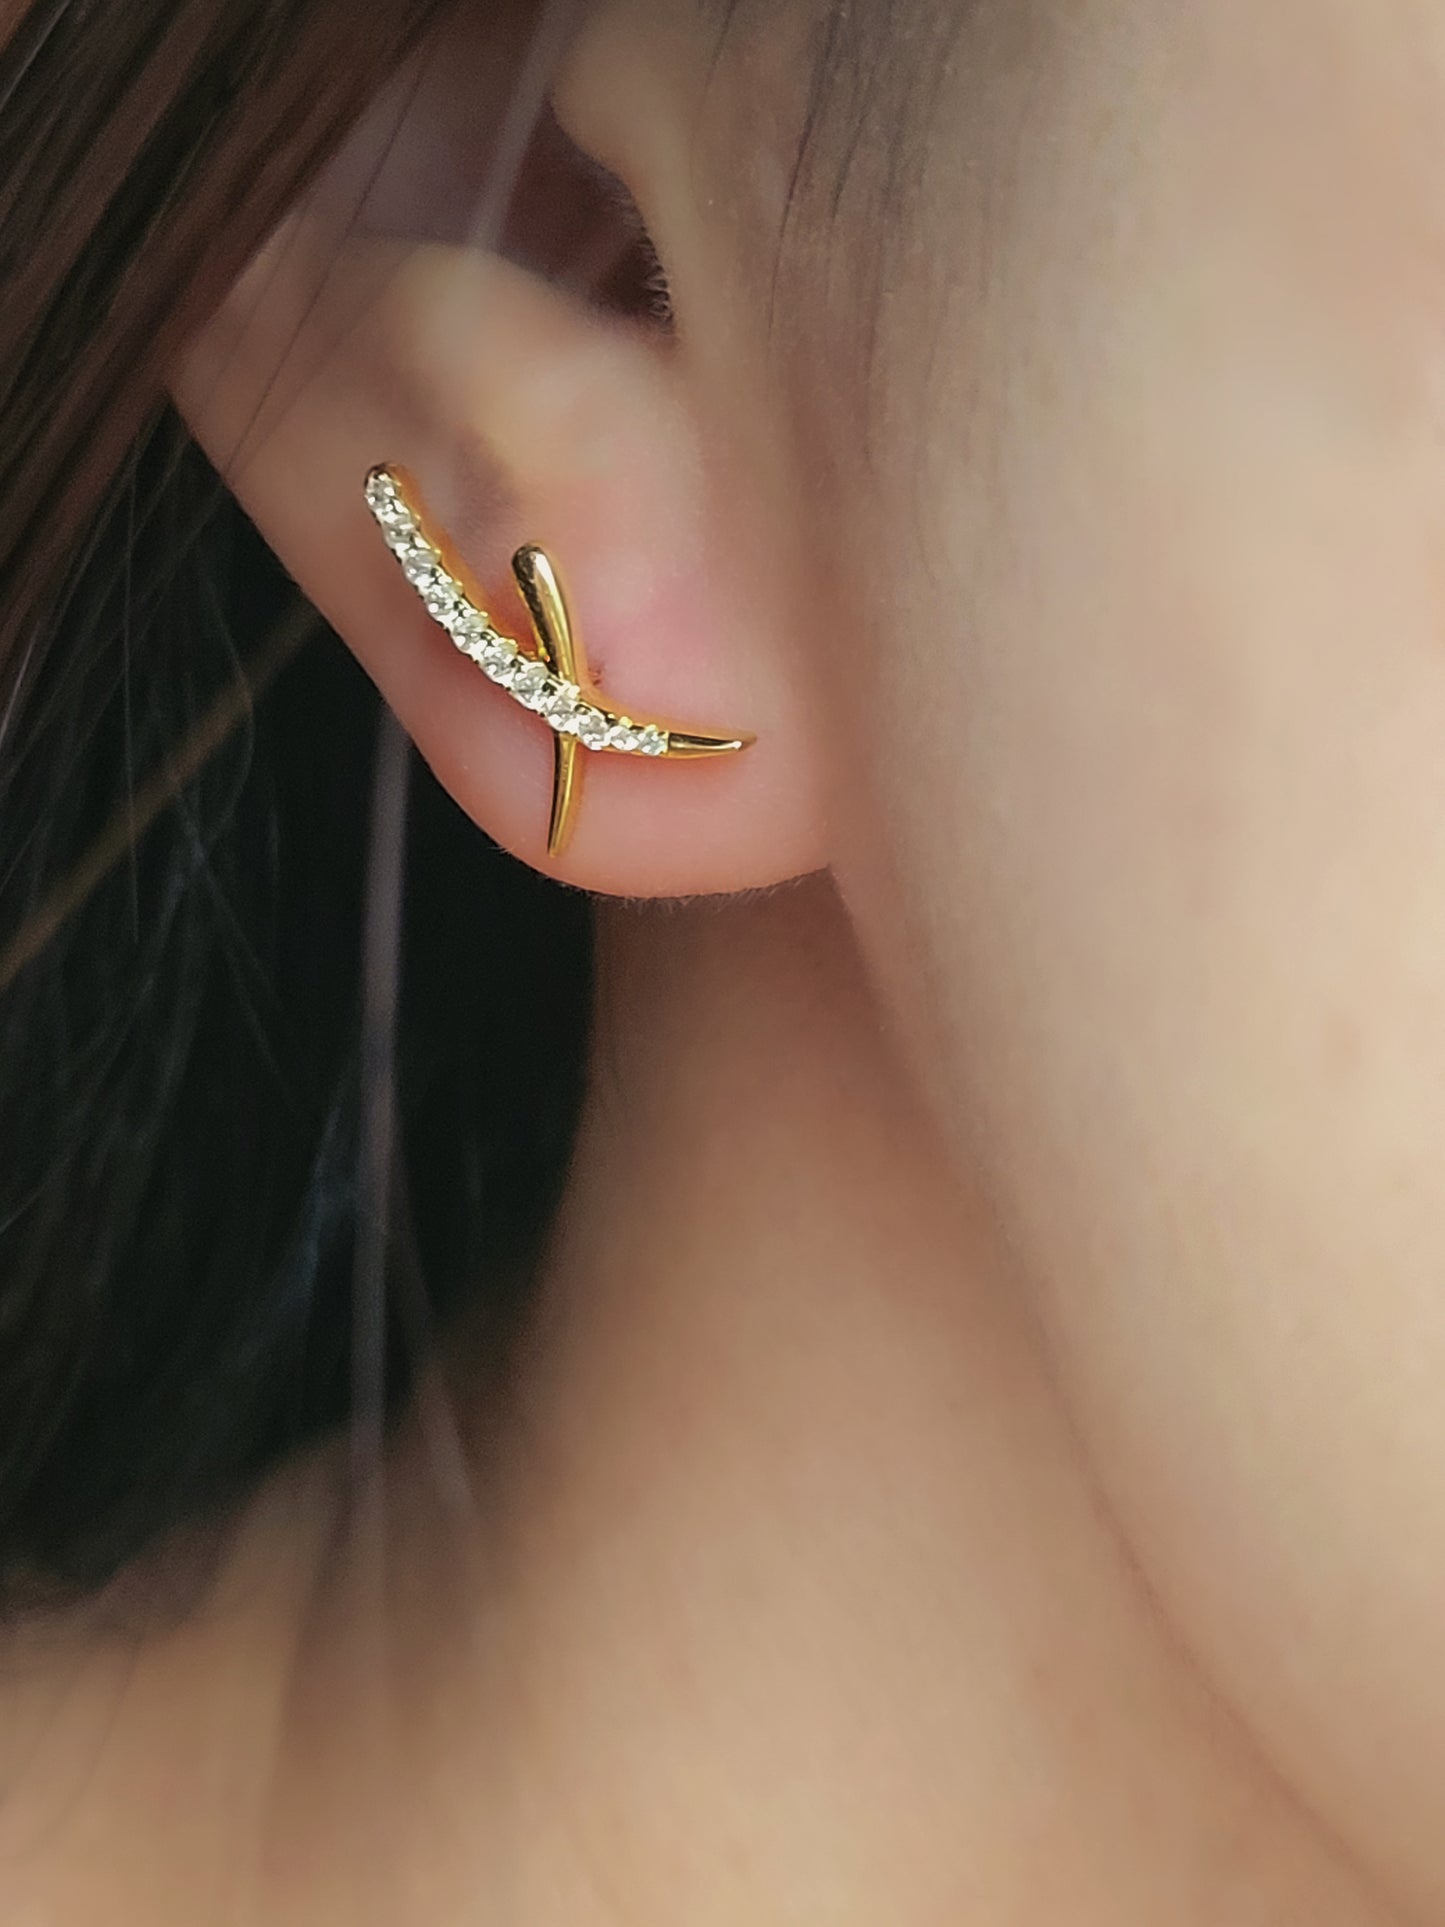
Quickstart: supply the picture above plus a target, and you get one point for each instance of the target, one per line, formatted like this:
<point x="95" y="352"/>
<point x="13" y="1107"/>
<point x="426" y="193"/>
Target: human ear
<point x="527" y="413"/>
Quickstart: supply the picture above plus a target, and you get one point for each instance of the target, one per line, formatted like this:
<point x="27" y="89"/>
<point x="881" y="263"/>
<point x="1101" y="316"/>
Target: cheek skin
<point x="1160" y="890"/>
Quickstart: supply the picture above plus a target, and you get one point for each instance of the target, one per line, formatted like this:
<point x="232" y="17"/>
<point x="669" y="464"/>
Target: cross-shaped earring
<point x="551" y="681"/>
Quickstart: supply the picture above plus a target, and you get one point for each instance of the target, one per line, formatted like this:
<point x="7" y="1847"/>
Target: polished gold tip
<point x="683" y="742"/>
<point x="541" y="589"/>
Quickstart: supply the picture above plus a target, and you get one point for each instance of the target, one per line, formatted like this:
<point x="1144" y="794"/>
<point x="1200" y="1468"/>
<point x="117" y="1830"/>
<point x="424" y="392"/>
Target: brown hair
<point x="179" y="1063"/>
<point x="146" y="148"/>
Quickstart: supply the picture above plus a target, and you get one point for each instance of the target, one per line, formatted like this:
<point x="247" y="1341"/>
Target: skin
<point x="977" y="1458"/>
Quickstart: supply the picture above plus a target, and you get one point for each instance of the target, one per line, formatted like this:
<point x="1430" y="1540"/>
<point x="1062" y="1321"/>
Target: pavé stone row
<point x="525" y="677"/>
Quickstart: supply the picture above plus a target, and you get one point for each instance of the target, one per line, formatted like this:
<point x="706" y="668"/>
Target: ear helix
<point x="551" y="680"/>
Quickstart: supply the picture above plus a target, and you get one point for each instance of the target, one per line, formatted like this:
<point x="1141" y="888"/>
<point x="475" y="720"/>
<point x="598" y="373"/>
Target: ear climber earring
<point x="552" y="682"/>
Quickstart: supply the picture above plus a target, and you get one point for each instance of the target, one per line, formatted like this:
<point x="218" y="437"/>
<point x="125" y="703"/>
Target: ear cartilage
<point x="552" y="679"/>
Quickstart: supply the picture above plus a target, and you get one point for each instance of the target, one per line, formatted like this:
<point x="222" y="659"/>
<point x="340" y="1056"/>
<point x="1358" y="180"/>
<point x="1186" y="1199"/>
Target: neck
<point x="783" y="1593"/>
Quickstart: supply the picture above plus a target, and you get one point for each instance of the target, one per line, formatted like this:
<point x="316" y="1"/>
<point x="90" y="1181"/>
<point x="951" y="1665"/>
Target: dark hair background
<point x="181" y="1075"/>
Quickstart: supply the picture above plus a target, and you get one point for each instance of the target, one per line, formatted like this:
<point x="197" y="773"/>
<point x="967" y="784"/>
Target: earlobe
<point x="524" y="417"/>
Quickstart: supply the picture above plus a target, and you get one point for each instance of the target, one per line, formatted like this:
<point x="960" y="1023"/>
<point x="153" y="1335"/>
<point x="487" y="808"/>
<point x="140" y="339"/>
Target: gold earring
<point x="552" y="683"/>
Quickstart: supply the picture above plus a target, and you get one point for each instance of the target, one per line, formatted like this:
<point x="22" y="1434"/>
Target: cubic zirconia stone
<point x="419" y="567"/>
<point x="531" y="684"/>
<point x="440" y="598"/>
<point x="498" y="657"/>
<point x="592" y="728"/>
<point x="652" y="741"/>
<point x="560" y="707"/>
<point x="469" y="630"/>
<point x="623" y="736"/>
